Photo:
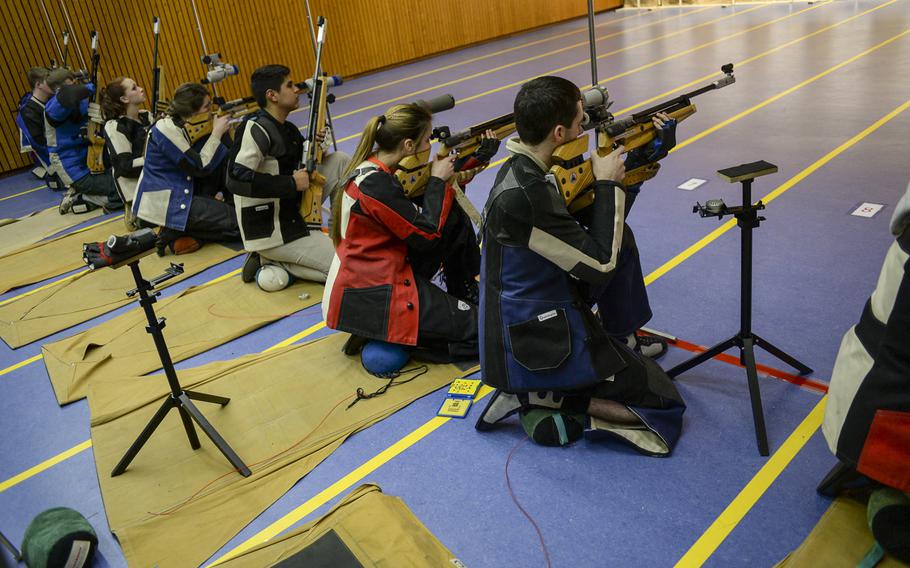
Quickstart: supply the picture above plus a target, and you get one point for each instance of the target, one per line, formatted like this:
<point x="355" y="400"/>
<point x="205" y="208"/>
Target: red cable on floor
<point x="543" y="545"/>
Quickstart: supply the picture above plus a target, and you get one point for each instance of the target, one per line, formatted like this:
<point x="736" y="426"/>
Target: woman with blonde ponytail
<point x="388" y="247"/>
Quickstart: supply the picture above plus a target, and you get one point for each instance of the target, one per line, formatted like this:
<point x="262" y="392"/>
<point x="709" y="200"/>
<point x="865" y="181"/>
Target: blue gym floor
<point x="816" y="87"/>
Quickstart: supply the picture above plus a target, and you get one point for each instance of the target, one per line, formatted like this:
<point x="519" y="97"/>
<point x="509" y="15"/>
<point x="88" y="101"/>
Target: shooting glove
<point x="656" y="150"/>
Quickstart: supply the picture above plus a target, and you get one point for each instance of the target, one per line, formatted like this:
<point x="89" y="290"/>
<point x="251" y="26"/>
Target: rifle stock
<point x="572" y="171"/>
<point x="94" y="129"/>
<point x="414" y="171"/>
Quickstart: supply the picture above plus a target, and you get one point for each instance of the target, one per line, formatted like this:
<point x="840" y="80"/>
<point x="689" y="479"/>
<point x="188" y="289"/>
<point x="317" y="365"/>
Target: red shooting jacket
<point x="370" y="290"/>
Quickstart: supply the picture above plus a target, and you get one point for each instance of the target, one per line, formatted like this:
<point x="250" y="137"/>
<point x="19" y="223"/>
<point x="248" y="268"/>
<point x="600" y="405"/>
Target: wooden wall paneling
<point x="363" y="35"/>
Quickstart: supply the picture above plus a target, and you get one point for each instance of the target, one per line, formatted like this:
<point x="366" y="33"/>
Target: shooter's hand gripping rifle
<point x="572" y="171"/>
<point x="473" y="153"/>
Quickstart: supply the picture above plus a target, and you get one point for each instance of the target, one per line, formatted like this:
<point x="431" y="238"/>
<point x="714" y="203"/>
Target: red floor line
<point x="807" y="382"/>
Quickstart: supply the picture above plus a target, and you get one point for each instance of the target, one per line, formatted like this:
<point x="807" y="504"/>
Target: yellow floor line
<point x="503" y="52"/>
<point x="295" y="338"/>
<point x="31" y="472"/>
<point x="380" y="459"/>
<point x="343" y="484"/>
<point x="20" y="364"/>
<point x="23" y="193"/>
<point x="47" y="464"/>
<point x="752" y="59"/>
<point x="705" y="546"/>
<point x="702" y="243"/>
<point x="460" y="80"/>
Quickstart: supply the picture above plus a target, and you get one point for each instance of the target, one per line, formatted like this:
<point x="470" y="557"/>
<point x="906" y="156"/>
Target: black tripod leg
<point x="188" y="426"/>
<point x="213" y="434"/>
<point x="144" y="436"/>
<point x="12" y="549"/>
<point x="777" y="352"/>
<point x="702" y="357"/>
<point x="839" y="476"/>
<point x="758" y="415"/>
<point x="214" y="399"/>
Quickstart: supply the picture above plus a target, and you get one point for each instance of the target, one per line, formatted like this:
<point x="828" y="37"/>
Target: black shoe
<point x="651" y="346"/>
<point x="250" y="266"/>
<point x="354" y="345"/>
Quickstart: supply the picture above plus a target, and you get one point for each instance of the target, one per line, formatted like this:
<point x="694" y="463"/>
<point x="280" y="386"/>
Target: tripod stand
<point x="180" y="399"/>
<point x="747" y="219"/>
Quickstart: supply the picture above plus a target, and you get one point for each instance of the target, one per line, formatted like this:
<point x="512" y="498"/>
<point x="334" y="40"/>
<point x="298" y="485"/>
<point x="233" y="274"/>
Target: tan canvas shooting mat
<point x="375" y="529"/>
<point x="90" y="293"/>
<point x="288" y="411"/>
<point x="21" y="233"/>
<point x="198" y="319"/>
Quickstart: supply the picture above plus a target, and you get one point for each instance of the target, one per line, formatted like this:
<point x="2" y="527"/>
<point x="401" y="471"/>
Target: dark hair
<point x="187" y="101"/>
<point x="57" y="77"/>
<point x="111" y="105"/>
<point x="37" y="75"/>
<point x="265" y="78"/>
<point x="542" y="104"/>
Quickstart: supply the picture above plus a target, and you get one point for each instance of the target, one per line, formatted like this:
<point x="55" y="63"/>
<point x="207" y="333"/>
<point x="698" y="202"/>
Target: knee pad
<point x="272" y="278"/>
<point x="383" y="359"/>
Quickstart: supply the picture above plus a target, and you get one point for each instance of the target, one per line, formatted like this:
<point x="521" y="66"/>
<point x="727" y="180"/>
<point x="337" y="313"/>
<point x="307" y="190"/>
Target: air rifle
<point x="313" y="150"/>
<point x="156" y="71"/>
<point x="414" y="172"/>
<point x="572" y="172"/>
<point x="200" y="125"/>
<point x="95" y="126"/>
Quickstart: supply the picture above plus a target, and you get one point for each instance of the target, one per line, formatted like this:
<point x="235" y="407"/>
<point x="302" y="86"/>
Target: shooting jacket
<point x="124" y="151"/>
<point x="30" y="120"/>
<point x="370" y="289"/>
<point x="867" y="418"/>
<point x="260" y="175"/>
<point x="537" y="330"/>
<point x="165" y="189"/>
<point x="66" y="113"/>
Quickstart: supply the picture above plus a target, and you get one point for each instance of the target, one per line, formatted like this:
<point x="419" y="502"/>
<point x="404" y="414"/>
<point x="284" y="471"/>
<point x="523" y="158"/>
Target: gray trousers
<point x="310" y="257"/>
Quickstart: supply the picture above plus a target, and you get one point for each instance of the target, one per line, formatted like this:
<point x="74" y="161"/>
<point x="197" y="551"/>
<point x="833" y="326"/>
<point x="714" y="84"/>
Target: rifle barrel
<point x="498" y="122"/>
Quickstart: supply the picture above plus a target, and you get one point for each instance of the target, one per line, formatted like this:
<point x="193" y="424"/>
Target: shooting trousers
<point x="90" y="293"/>
<point x="198" y="319"/>
<point x="35" y="227"/>
<point x="366" y="527"/>
<point x="24" y="265"/>
<point x="288" y="412"/>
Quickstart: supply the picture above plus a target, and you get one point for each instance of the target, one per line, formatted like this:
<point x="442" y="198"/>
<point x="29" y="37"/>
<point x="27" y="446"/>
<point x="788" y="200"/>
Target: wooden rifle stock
<point x="311" y="201"/>
<point x="573" y="173"/>
<point x="95" y="127"/>
<point x="199" y="125"/>
<point x="414" y="171"/>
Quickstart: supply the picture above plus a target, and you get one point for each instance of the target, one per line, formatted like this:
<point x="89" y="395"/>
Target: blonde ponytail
<point x="387" y="131"/>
